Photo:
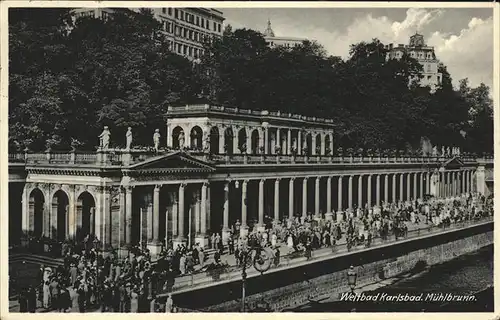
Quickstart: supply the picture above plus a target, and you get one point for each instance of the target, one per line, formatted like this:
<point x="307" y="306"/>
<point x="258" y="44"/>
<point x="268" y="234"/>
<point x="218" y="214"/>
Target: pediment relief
<point x="176" y="161"/>
<point x="453" y="163"/>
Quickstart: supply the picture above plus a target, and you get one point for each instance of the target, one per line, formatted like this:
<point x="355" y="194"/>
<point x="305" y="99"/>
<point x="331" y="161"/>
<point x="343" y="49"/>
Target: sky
<point x="462" y="37"/>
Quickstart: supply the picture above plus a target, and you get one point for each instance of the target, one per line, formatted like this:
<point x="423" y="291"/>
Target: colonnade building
<point x="218" y="166"/>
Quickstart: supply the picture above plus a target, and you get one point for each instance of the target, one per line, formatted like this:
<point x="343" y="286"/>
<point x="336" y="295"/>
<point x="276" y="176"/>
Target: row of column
<point x="449" y="183"/>
<point x="178" y="211"/>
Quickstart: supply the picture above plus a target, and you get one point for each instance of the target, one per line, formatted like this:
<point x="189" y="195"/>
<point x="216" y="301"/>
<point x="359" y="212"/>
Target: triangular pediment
<point x="453" y="163"/>
<point x="175" y="161"/>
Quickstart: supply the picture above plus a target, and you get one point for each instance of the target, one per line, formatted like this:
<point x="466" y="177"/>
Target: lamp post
<point x="352" y="276"/>
<point x="244" y="253"/>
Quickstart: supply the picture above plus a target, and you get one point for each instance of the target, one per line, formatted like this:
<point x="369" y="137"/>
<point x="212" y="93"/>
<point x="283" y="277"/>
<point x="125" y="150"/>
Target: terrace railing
<point x="121" y="157"/>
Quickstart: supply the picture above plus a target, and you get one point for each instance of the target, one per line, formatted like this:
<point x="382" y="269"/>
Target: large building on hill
<point x="186" y="29"/>
<point x="273" y="41"/>
<point x="424" y="54"/>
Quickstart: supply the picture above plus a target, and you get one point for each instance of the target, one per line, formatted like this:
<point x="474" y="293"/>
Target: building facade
<point x="219" y="166"/>
<point x="424" y="54"/>
<point x="186" y="29"/>
<point x="273" y="41"/>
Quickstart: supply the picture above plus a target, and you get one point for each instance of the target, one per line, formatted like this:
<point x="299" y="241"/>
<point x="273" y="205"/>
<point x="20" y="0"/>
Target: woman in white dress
<point x="46" y="295"/>
<point x="289" y="241"/>
<point x="274" y="240"/>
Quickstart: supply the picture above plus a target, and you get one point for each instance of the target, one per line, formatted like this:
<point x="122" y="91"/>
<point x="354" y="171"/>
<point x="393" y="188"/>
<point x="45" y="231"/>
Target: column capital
<point x="277" y="180"/>
<point x="305" y="179"/>
<point x="262" y="180"/>
<point x="292" y="179"/>
<point x="157" y="187"/>
<point x="182" y="185"/>
<point x="205" y="184"/>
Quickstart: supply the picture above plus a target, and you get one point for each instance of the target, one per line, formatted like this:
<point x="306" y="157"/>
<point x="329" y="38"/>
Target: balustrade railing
<point x="204" y="277"/>
<point x="128" y="157"/>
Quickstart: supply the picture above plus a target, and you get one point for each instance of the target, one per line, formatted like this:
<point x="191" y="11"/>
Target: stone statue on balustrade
<point x="443" y="151"/>
<point x="156" y="140"/>
<point x="434" y="151"/>
<point x="129" y="138"/>
<point x="105" y="137"/>
<point x="448" y="152"/>
<point x="181" y="139"/>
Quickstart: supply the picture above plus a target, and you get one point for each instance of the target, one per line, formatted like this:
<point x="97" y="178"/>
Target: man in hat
<point x="73" y="273"/>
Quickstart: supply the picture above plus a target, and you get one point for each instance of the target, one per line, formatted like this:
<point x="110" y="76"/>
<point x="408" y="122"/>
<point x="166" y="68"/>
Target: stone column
<point x="329" y="195"/>
<point x="394" y="187"/>
<point x="244" y="223"/>
<point x="222" y="141"/>
<point x="369" y="191"/>
<point x="378" y="189"/>
<point x="236" y="141"/>
<point x="202" y="238"/>
<point x="313" y="145"/>
<point x="299" y="142"/>
<point x="349" y="192"/>
<point x="339" y="194"/>
<point x="415" y="191"/>
<point x="249" y="140"/>
<point x="331" y="146"/>
<point x="106" y="218"/>
<point x="316" y="197"/>
<point x="156" y="213"/>
<point x="291" y="196"/>
<point x="408" y="186"/>
<point x="175" y="216"/>
<point x="422" y="185"/>
<point x="122" y="224"/>
<point x="322" y="144"/>
<point x="266" y="140"/>
<point x="155" y="246"/>
<point x="480" y="179"/>
<point x="261" y="204"/>
<point x="360" y="191"/>
<point x="181" y="238"/>
<point x="304" y="197"/>
<point x="72" y="214"/>
<point x="278" y="141"/>
<point x="276" y="199"/>
<point x="225" y="214"/>
<point x="289" y="142"/>
<point x="386" y="188"/>
<point x="128" y="215"/>
<point x="401" y="183"/>
<point x="25" y="222"/>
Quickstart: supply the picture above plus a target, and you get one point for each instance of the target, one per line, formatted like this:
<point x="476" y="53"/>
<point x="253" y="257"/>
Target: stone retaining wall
<point x="293" y="287"/>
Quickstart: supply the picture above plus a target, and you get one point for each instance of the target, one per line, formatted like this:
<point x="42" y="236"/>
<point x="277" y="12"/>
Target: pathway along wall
<point x="293" y="287"/>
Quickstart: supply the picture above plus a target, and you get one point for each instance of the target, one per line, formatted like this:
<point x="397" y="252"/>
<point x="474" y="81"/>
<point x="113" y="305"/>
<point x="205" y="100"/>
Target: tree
<point x="118" y="72"/>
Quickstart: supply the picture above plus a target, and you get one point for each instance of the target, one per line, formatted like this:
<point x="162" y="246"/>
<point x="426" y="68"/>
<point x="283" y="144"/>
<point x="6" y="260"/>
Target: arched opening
<point x="308" y="145"/>
<point x="60" y="203"/>
<point x="228" y="141"/>
<point x="255" y="142"/>
<point x="242" y="140"/>
<point x="178" y="138"/>
<point x="196" y="138"/>
<point x="85" y="216"/>
<point x="318" y="144"/>
<point x="36" y="204"/>
<point x="214" y="140"/>
<point x="328" y="151"/>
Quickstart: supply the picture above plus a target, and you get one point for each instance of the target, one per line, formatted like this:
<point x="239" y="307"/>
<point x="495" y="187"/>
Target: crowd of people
<point x="110" y="284"/>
